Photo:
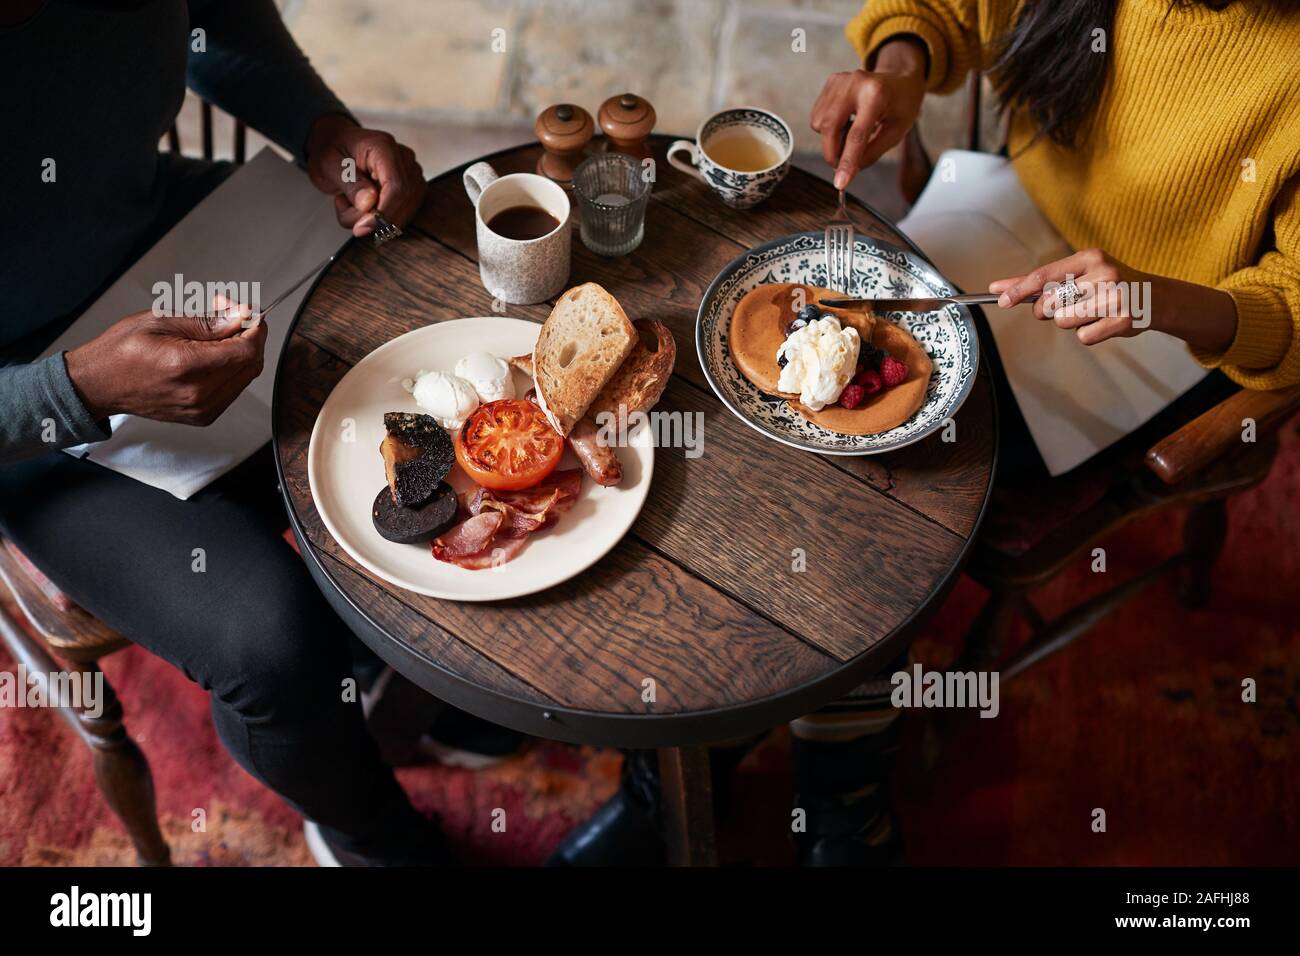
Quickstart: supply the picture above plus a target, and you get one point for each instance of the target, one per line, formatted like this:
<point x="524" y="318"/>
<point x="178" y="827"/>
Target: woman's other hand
<point x="861" y="114"/>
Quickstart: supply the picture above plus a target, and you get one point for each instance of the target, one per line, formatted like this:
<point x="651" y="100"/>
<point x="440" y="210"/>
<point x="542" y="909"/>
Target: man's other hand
<point x="366" y="171"/>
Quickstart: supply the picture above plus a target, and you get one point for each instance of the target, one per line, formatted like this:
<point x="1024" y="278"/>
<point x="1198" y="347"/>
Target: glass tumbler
<point x="612" y="196"/>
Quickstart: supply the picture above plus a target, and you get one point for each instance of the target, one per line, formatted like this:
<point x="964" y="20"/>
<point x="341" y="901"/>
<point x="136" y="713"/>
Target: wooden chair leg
<point x="1082" y="618"/>
<point x="1205" y="529"/>
<point x="120" y="768"/>
<point x="687" y="786"/>
<point x="124" y="777"/>
<point x="987" y="636"/>
<point x="985" y="640"/>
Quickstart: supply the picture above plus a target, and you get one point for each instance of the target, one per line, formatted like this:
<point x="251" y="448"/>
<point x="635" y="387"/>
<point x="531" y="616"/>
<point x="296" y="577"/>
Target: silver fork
<point x="839" y="250"/>
<point x="384" y="232"/>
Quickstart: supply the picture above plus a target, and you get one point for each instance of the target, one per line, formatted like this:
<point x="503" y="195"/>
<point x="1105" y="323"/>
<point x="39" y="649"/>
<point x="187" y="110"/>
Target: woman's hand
<point x="383" y="177"/>
<point x="1117" y="301"/>
<point x="860" y="115"/>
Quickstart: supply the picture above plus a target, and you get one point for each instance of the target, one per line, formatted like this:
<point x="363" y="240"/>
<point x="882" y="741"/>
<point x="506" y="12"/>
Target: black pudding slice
<point x="414" y="525"/>
<point x="417" y="480"/>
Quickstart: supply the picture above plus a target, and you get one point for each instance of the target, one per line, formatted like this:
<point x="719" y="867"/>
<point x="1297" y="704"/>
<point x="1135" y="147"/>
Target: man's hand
<point x="185" y="369"/>
<point x="382" y="174"/>
<point x="860" y="115"/>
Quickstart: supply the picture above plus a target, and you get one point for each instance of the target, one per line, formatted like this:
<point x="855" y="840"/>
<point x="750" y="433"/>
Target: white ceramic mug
<point x="519" y="271"/>
<point x="741" y="189"/>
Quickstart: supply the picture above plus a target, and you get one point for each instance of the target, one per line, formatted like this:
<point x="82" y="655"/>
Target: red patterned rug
<point x="1142" y="718"/>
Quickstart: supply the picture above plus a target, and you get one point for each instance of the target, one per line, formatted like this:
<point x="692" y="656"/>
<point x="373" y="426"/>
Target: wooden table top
<point x="700" y="597"/>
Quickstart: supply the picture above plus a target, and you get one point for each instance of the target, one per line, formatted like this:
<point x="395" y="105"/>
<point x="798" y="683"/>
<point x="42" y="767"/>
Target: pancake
<point x="759" y="324"/>
<point x="891" y="407"/>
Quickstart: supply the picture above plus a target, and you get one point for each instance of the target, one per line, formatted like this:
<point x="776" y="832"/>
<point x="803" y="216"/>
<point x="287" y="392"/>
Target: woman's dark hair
<point x="1047" y="64"/>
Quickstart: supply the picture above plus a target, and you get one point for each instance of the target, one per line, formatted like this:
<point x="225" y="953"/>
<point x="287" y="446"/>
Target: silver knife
<point x="916" y="305"/>
<point x="295" y="287"/>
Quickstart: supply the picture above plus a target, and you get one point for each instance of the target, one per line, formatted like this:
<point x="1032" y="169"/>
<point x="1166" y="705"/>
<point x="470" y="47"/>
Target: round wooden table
<point x="702" y="597"/>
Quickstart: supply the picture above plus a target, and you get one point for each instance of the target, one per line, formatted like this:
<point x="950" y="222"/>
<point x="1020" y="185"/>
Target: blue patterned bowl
<point x="879" y="270"/>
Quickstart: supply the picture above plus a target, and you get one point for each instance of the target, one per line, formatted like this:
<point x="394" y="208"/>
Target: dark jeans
<point x="242" y="618"/>
<point x="251" y="626"/>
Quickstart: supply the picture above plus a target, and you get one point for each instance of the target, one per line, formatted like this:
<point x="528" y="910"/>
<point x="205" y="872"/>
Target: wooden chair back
<point x="205" y="128"/>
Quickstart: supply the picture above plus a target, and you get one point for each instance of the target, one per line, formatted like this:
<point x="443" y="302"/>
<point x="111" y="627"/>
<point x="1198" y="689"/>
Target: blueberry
<point x="870" y="357"/>
<point x="808" y="314"/>
<point x="782" y="361"/>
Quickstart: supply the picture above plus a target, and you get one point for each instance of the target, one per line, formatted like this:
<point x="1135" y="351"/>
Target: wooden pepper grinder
<point x="564" y="131"/>
<point x="627" y="121"/>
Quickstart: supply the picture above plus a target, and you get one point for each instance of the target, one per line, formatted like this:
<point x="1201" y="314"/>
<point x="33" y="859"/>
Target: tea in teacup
<point x="742" y="151"/>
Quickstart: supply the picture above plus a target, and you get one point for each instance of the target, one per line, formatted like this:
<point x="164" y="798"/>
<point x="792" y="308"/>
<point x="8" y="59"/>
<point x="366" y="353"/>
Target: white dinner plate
<point x="346" y="472"/>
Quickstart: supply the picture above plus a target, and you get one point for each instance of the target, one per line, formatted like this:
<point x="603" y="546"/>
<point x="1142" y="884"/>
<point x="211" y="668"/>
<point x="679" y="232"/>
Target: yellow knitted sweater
<point x="1191" y="167"/>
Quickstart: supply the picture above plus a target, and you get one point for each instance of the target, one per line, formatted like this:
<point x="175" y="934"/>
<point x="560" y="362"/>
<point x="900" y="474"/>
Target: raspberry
<point x="852" y="396"/>
<point x="869" y="380"/>
<point x="892" y="371"/>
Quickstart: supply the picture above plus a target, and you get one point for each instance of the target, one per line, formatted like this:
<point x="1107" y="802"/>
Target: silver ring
<point x="1068" y="293"/>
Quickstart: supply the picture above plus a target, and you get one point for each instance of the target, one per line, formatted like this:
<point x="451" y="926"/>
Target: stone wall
<point x="499" y="62"/>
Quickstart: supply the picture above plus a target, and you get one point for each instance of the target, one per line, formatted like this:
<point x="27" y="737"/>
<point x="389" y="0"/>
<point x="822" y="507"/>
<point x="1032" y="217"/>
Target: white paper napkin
<point x="976" y="223"/>
<point x="266" y="223"/>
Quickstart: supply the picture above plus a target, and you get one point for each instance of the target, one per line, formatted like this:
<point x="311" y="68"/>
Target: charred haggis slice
<point x="413" y="525"/>
<point x="418" y="454"/>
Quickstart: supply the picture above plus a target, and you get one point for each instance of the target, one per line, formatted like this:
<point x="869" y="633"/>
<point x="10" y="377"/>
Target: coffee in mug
<point x="523" y="222"/>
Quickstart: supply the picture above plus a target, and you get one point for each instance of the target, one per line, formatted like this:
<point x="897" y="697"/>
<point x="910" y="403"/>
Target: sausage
<point x="601" y="463"/>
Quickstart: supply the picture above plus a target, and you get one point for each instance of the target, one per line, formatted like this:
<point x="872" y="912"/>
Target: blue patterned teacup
<point x="745" y="136"/>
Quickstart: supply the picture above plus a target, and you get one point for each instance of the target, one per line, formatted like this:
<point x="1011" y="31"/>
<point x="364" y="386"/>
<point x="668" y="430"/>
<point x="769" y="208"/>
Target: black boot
<point x="627" y="830"/>
<point x="843" y="788"/>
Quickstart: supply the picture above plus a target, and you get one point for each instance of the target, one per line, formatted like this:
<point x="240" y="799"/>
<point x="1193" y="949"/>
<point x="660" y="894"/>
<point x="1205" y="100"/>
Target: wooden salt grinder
<point x="627" y="121"/>
<point x="564" y="131"/>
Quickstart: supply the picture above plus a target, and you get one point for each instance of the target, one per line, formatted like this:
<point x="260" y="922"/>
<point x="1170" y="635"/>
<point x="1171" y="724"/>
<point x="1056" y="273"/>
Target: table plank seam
<point x="544" y="698"/>
<point x="833" y="463"/>
<point x="728" y="593"/>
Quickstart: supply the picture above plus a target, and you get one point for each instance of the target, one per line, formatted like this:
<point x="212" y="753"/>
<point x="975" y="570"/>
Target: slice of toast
<point x="582" y="343"/>
<point x="644" y="374"/>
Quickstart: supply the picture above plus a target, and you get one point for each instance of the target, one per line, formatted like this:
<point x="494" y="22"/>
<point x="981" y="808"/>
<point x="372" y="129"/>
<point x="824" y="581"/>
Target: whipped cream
<point x="449" y="399"/>
<point x="489" y="375"/>
<point x="820" y="359"/>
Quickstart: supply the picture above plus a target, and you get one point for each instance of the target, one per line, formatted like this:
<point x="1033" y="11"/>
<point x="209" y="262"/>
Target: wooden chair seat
<point x="70" y="631"/>
<point x="1032" y="532"/>
<point x="1121" y="481"/>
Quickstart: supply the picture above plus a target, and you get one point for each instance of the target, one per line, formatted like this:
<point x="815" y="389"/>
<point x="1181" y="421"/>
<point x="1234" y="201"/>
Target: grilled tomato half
<point x="508" y="445"/>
